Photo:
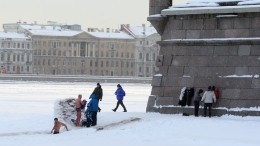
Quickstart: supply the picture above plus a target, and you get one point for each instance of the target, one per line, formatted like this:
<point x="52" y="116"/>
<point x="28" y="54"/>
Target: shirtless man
<point x="57" y="125"/>
<point x="78" y="103"/>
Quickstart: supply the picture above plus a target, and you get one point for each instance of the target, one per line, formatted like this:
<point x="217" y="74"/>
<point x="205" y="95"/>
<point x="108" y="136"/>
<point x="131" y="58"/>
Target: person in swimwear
<point x="57" y="125"/>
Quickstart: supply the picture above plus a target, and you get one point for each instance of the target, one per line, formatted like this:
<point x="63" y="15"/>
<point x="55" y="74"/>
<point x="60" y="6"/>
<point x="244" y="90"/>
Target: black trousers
<point x="121" y="103"/>
<point x="207" y="105"/>
<point x="196" y="108"/>
<point x="94" y="118"/>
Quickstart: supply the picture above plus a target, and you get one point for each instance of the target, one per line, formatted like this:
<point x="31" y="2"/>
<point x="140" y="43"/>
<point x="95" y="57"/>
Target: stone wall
<point x="204" y="50"/>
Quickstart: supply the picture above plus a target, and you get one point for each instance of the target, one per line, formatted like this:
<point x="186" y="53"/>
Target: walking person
<point x="98" y="92"/>
<point x="197" y="99"/>
<point x="208" y="98"/>
<point x="57" y="126"/>
<point x="78" y="104"/>
<point x="120" y="93"/>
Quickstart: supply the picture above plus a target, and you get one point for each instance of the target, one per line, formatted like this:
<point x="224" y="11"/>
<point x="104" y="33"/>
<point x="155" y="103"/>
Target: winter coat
<point x="197" y="96"/>
<point x="98" y="92"/>
<point x="209" y="97"/>
<point x="92" y="104"/>
<point x="120" y="93"/>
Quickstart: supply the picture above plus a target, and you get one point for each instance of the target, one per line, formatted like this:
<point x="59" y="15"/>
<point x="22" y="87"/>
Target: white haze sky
<point x="87" y="13"/>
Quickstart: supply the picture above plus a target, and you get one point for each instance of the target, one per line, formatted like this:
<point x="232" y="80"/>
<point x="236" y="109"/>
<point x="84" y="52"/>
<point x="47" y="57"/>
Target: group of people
<point x="209" y="97"/>
<point x="92" y="108"/>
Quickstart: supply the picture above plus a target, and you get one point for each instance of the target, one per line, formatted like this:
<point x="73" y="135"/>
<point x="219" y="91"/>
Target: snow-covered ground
<point x="27" y="119"/>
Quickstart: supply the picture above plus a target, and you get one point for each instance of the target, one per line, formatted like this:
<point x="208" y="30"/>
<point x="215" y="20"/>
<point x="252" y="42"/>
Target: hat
<point x="98" y="84"/>
<point x="118" y="85"/>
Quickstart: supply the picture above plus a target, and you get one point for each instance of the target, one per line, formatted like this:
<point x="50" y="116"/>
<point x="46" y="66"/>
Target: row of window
<point x="57" y="44"/>
<point x="15" y="57"/>
<point x="50" y="62"/>
<point x="74" y="53"/>
<point x="148" y="56"/>
<point x="15" y="45"/>
<point x="91" y="72"/>
<point x="18" y="69"/>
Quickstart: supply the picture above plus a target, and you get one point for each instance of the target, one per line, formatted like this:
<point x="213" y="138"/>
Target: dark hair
<point x="55" y="119"/>
<point x="200" y="90"/>
<point x="209" y="88"/>
<point x="118" y="85"/>
<point x="213" y="88"/>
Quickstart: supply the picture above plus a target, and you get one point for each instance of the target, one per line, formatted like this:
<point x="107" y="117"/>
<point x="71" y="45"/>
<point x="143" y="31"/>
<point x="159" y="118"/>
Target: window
<point x="28" y="68"/>
<point x="28" y="46"/>
<point x="127" y="55"/>
<point x="14" y="45"/>
<point x="140" y="55"/>
<point x="90" y="63"/>
<point x="44" y="52"/>
<point x="2" y="56"/>
<point x="122" y="54"/>
<point x="101" y="64"/>
<point x="18" y="57"/>
<point x="18" y="45"/>
<point x="8" y="45"/>
<point x="147" y="57"/>
<point x="107" y="64"/>
<point x="22" y="45"/>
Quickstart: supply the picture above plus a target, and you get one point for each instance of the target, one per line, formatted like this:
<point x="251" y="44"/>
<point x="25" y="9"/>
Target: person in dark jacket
<point x="91" y="112"/>
<point x="98" y="92"/>
<point x="120" y="93"/>
<point x="197" y="99"/>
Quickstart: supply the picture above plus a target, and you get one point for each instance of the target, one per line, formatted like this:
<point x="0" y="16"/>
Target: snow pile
<point x="64" y="110"/>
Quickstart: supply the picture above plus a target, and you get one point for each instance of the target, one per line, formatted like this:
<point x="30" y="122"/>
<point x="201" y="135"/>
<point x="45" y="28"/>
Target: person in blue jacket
<point x="120" y="93"/>
<point x="91" y="112"/>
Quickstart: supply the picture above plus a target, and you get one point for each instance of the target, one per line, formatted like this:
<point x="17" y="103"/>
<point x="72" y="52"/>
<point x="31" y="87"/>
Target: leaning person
<point x="208" y="98"/>
<point x="57" y="125"/>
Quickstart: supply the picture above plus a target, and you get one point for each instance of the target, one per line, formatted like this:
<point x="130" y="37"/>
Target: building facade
<point x="66" y="50"/>
<point x="15" y="53"/>
<point x="146" y="48"/>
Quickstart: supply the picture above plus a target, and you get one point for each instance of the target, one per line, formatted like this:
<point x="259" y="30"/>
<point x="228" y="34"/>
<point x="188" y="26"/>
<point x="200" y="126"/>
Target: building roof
<point x="111" y="35"/>
<point x="142" y="31"/>
<point x="13" y="35"/>
<point x="39" y="27"/>
<point x="60" y="32"/>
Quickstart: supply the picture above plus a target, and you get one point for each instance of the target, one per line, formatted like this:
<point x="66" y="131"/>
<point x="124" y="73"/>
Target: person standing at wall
<point x="197" y="99"/>
<point x="208" y="98"/>
<point x="120" y="93"/>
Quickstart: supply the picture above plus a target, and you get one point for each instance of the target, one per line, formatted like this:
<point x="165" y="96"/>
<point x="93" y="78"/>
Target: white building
<point x="15" y="53"/>
<point x="146" y="48"/>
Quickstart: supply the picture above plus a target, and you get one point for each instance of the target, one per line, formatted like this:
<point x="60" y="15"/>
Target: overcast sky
<point x="87" y="13"/>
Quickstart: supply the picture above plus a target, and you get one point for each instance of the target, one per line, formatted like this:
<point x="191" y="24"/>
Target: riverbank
<point x="68" y="78"/>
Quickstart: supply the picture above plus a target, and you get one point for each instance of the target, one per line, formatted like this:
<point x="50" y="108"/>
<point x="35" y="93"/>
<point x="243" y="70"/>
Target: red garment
<point x="216" y="93"/>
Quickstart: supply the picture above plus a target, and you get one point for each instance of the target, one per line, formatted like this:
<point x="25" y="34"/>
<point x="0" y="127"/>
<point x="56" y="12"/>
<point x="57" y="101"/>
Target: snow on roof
<point x="55" y="32"/>
<point x="212" y="3"/>
<point x="13" y="35"/>
<point x="111" y="35"/>
<point x="38" y="27"/>
<point x="140" y="31"/>
<point x="212" y="7"/>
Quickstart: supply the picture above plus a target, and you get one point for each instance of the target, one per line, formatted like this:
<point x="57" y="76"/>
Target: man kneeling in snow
<point x="57" y="125"/>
